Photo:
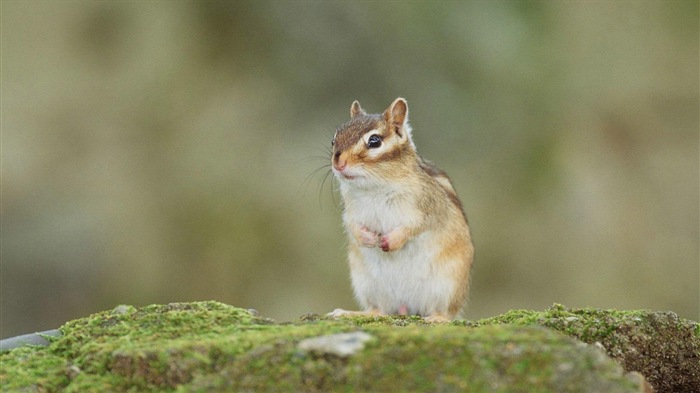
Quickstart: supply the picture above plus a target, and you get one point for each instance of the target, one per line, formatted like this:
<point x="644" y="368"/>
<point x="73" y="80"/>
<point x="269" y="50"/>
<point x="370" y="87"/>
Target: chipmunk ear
<point x="356" y="110"/>
<point x="397" y="117"/>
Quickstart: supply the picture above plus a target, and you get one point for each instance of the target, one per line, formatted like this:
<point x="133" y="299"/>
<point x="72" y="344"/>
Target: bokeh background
<point x="163" y="151"/>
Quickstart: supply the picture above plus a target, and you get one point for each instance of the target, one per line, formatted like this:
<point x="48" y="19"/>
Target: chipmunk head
<point x="371" y="149"/>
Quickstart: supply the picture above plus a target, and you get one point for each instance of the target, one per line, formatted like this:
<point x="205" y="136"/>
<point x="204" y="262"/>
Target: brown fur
<point x="423" y="187"/>
<point x="348" y="134"/>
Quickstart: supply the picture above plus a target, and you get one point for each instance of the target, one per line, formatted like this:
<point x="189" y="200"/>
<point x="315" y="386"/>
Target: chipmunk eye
<point x="374" y="141"/>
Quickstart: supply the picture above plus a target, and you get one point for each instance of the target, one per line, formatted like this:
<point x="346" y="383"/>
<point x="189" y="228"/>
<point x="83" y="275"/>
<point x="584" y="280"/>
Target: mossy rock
<point x="209" y="346"/>
<point x="659" y="345"/>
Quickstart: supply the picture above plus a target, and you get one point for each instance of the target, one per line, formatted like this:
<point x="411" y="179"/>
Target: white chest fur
<point x="380" y="210"/>
<point x="409" y="279"/>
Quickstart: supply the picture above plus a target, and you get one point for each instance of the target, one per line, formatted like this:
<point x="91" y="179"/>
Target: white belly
<point x="408" y="279"/>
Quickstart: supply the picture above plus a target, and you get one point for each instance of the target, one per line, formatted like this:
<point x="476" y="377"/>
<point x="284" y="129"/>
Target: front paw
<point x="384" y="244"/>
<point x="367" y="238"/>
<point x="393" y="241"/>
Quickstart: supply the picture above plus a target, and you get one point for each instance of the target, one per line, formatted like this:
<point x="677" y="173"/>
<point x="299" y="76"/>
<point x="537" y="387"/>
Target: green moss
<point x="210" y="346"/>
<point x="439" y="358"/>
<point x="152" y="348"/>
<point x="660" y="345"/>
<point x="33" y="367"/>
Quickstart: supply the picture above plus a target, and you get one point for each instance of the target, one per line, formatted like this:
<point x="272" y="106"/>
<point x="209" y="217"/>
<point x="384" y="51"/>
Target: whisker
<point x="333" y="180"/>
<point x="326" y="152"/>
<point x="307" y="180"/>
<point x="312" y="158"/>
<point x="323" y="182"/>
<point x="319" y="152"/>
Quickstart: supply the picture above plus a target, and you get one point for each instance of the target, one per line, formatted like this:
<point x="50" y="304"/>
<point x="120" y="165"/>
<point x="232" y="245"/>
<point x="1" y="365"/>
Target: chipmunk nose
<point x="339" y="163"/>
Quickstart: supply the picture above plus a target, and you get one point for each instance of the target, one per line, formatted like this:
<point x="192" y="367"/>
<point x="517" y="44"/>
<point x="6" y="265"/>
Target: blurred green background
<point x="163" y="151"/>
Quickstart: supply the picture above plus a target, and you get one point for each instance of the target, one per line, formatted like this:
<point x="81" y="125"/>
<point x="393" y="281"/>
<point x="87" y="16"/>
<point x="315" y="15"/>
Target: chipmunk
<point x="410" y="248"/>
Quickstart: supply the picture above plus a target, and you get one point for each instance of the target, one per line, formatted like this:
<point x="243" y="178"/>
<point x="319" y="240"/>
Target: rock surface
<point x="209" y="346"/>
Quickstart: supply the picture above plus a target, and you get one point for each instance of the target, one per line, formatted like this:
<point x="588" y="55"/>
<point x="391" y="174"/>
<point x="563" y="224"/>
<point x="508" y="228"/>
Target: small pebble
<point x="341" y="345"/>
<point x="122" y="309"/>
